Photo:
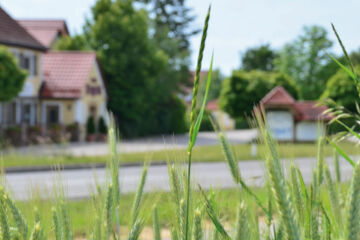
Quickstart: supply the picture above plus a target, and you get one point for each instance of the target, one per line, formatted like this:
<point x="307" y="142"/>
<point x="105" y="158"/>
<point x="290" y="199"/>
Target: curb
<point x="10" y="170"/>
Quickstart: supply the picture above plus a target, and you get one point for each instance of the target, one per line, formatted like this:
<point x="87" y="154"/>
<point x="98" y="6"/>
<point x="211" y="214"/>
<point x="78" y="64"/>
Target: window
<point x="93" y="111"/>
<point x="10" y="113"/>
<point x="26" y="114"/>
<point x="25" y="62"/>
<point x="29" y="62"/>
<point x="52" y="114"/>
<point x="35" y="65"/>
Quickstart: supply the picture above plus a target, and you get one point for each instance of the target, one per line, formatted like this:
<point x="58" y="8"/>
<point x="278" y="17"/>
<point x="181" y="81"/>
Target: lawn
<point x="200" y="154"/>
<point x="82" y="211"/>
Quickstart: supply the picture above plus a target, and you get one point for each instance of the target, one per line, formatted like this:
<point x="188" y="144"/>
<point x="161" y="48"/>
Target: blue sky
<point x="235" y="24"/>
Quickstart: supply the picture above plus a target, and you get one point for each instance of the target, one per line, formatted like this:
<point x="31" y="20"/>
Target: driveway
<point x="179" y="141"/>
<point x="80" y="183"/>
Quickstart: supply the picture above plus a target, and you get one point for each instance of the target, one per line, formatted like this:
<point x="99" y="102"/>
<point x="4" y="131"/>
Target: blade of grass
<point x="193" y="123"/>
<point x="341" y="152"/>
<point x="212" y="215"/>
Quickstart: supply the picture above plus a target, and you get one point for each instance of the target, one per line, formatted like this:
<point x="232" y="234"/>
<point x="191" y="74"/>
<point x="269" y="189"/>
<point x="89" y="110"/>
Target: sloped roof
<point x="304" y="110"/>
<point x="45" y="31"/>
<point x="310" y="111"/>
<point x="278" y="96"/>
<point x="13" y="34"/>
<point x="65" y="73"/>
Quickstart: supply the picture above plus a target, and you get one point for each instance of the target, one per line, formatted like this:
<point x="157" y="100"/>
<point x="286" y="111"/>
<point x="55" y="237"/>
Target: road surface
<point x="80" y="183"/>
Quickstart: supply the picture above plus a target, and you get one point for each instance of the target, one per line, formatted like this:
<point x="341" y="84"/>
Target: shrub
<point x="90" y="126"/>
<point x="102" y="126"/>
<point x="243" y="90"/>
<point x="12" y="78"/>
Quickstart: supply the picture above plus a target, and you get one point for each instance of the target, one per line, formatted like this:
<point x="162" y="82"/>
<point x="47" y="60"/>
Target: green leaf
<point x="349" y="129"/>
<point x="342" y="153"/>
<point x="343" y="49"/>
<point x="212" y="215"/>
<point x="349" y="72"/>
<point x="202" y="110"/>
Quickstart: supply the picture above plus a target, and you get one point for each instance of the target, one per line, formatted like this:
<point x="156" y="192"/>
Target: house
<point x="222" y="118"/>
<point x="47" y="32"/>
<point x="62" y="89"/>
<point x="291" y="120"/>
<point x="73" y="89"/>
<point x="29" y="53"/>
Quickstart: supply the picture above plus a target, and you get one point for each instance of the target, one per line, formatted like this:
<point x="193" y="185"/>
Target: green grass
<point x="200" y="154"/>
<point x="81" y="211"/>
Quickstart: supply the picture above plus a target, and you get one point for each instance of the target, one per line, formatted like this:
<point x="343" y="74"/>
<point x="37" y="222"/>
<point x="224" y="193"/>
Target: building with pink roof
<point x="291" y="120"/>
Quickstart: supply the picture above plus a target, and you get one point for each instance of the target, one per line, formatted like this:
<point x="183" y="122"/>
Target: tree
<point x="171" y="24"/>
<point x="217" y="79"/>
<point x="305" y="59"/>
<point x="12" y="78"/>
<point x="243" y="90"/>
<point x="258" y="58"/>
<point x="173" y="18"/>
<point x="341" y="89"/>
<point x="131" y="63"/>
<point x="77" y="42"/>
<point x="90" y="126"/>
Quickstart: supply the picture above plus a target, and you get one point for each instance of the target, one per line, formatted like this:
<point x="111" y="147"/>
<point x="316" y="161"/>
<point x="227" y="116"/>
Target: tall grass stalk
<point x="195" y="120"/>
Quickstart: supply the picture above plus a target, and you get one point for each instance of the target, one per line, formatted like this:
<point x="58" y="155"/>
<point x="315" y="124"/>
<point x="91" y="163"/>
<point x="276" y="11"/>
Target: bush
<point x="90" y="126"/>
<point x="12" y="78"/>
<point x="206" y="122"/>
<point x="243" y="90"/>
<point x="340" y="88"/>
<point x="102" y="126"/>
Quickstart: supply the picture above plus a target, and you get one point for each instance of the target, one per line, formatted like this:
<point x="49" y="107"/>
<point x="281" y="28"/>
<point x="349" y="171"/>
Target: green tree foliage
<point x="77" y="42"/>
<point x="171" y="24"/>
<point x="217" y="79"/>
<point x="243" y="90"/>
<point x="306" y="61"/>
<point x="11" y="76"/>
<point x="340" y="88"/>
<point x="258" y="58"/>
<point x="132" y="64"/>
<point x="90" y="125"/>
<point x="102" y="126"/>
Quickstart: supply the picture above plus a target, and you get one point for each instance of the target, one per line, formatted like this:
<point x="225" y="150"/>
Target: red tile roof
<point x="13" y="34"/>
<point x="45" y="31"/>
<point x="303" y="110"/>
<point x="212" y="105"/>
<point x="278" y="96"/>
<point x="65" y="73"/>
<point x="310" y="111"/>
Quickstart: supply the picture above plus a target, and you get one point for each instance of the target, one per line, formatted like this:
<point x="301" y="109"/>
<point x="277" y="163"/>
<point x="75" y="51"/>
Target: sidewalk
<point x="137" y="145"/>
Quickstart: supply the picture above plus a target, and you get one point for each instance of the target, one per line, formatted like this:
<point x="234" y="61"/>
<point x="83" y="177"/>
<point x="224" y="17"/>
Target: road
<point x="80" y="183"/>
<point x="156" y="143"/>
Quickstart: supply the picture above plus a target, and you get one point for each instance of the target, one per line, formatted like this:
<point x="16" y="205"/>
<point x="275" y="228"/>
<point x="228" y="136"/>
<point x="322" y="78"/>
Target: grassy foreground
<point x="81" y="211"/>
<point x="200" y="154"/>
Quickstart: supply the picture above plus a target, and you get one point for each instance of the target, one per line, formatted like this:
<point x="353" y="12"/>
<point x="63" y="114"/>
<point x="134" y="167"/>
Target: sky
<point x="235" y="25"/>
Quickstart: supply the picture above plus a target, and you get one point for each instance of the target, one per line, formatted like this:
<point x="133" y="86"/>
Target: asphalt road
<point x="80" y="183"/>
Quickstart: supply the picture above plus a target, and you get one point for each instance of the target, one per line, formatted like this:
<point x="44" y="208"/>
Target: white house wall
<point x="281" y="124"/>
<point x="308" y="131"/>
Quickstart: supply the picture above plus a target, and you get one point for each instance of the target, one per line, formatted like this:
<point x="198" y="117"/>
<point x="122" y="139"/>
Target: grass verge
<point x="200" y="154"/>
